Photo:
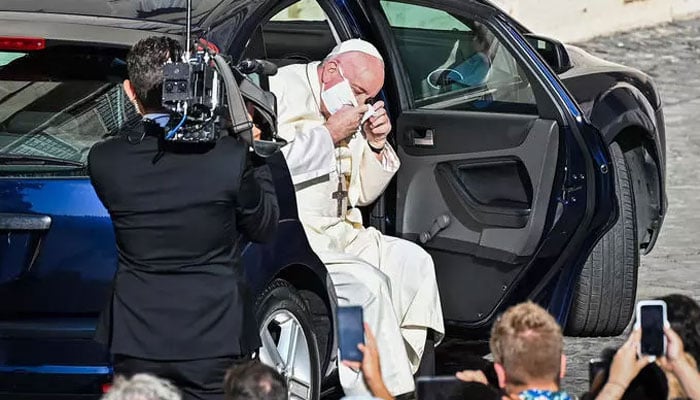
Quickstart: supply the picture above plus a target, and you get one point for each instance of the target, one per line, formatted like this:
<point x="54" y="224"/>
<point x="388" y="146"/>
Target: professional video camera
<point x="207" y="96"/>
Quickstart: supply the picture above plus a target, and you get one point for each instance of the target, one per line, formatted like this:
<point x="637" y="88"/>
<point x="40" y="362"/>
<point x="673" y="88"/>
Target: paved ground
<point x="670" y="54"/>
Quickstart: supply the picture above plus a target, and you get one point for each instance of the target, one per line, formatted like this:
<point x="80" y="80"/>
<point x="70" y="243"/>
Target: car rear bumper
<point x="51" y="359"/>
<point x="53" y="381"/>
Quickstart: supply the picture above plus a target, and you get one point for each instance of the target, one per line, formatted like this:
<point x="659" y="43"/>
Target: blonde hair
<point x="142" y="387"/>
<point x="528" y="343"/>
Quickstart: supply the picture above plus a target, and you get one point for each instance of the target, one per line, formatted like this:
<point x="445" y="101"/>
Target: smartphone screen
<point x="436" y="387"/>
<point x="652" y="322"/>
<point x="351" y="332"/>
<point x="451" y="388"/>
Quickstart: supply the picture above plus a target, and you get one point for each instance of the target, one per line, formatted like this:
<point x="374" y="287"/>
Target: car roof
<point x="82" y="29"/>
<point x="168" y="11"/>
<point x="122" y="22"/>
<point x="111" y="22"/>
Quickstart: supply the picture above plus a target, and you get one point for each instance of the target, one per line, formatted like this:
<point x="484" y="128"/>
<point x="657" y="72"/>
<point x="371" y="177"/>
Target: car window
<point x="456" y="63"/>
<point x="303" y="10"/>
<point x="57" y="103"/>
<point x="299" y="33"/>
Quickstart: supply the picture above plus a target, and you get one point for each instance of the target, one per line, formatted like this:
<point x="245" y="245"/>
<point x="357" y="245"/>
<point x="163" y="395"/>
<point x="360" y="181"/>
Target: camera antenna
<point x="188" y="37"/>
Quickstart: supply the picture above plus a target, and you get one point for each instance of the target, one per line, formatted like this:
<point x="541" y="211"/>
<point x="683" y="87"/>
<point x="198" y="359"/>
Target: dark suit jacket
<point x="178" y="212"/>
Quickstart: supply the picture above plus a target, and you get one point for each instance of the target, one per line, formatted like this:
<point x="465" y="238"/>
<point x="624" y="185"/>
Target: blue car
<point x="530" y="170"/>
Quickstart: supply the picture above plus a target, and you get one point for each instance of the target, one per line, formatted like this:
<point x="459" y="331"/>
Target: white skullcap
<point x="355" y="45"/>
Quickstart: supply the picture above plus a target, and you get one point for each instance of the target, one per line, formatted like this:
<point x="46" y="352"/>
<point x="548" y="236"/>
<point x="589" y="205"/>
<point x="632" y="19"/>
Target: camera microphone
<point x="254" y="66"/>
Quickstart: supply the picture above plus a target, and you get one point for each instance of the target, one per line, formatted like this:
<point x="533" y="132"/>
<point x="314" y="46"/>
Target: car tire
<point x="288" y="341"/>
<point x="604" y="297"/>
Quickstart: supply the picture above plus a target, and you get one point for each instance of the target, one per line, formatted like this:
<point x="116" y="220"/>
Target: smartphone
<point x="351" y="332"/>
<point x="451" y="388"/>
<point x="651" y="317"/>
<point x="437" y="387"/>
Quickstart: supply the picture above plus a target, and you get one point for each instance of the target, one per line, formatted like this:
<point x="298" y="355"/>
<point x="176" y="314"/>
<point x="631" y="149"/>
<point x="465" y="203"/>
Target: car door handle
<point x="424" y="137"/>
<point x="24" y="222"/>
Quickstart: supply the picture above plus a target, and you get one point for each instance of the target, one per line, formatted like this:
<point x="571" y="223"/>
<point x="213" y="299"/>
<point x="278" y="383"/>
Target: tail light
<point x="22" y="43"/>
<point x="106" y="387"/>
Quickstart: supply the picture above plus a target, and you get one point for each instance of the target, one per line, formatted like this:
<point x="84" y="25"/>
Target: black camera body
<point x="191" y="91"/>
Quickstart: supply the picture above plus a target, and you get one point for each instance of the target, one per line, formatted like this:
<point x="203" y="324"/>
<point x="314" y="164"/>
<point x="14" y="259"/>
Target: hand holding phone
<point x="350" y="332"/>
<point x="596" y="367"/>
<point x="652" y="318"/>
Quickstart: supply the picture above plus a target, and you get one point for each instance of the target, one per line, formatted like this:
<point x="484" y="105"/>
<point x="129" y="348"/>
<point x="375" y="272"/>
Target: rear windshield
<point x="55" y="104"/>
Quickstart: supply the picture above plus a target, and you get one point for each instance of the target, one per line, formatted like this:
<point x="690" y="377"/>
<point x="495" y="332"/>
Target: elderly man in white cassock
<point x="339" y="159"/>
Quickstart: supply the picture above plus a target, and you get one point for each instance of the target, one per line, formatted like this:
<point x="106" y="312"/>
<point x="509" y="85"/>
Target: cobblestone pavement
<point x="671" y="55"/>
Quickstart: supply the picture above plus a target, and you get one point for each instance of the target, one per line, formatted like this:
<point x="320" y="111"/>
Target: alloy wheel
<point x="285" y="347"/>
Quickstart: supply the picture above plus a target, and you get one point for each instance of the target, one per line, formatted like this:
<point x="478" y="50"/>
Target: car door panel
<point x="470" y="287"/>
<point x="477" y="205"/>
<point x="488" y="155"/>
<point x="492" y="175"/>
<point x="474" y="187"/>
<point x="481" y="132"/>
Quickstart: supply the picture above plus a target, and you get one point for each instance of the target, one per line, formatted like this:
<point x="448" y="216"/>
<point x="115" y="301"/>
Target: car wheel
<point x="288" y="342"/>
<point x="603" y="302"/>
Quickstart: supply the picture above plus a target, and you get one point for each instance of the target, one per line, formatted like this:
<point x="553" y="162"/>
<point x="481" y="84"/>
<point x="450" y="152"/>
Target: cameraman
<point x="180" y="308"/>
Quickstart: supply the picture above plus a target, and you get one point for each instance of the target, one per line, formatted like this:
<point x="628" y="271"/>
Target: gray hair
<point x="142" y="387"/>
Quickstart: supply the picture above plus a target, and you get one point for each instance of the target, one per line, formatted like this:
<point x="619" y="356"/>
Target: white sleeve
<point x="310" y="154"/>
<point x="375" y="175"/>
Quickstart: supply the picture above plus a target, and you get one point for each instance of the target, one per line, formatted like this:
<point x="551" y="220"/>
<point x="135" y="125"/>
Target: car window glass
<point x="300" y="33"/>
<point x="456" y="63"/>
<point x="7" y="57"/>
<point x="57" y="103"/>
<point x="402" y="15"/>
<point x="304" y="10"/>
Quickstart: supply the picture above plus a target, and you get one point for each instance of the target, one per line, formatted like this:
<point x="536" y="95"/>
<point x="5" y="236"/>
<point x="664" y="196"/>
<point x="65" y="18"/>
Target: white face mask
<point x="338" y="96"/>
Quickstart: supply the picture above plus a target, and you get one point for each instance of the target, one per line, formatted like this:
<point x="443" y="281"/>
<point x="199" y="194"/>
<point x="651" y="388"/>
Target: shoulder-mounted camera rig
<point x="207" y="96"/>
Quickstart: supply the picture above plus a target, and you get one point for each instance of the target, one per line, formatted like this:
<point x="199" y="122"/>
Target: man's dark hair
<point x="650" y="383"/>
<point x="254" y="381"/>
<point x="145" y="66"/>
<point x="684" y="317"/>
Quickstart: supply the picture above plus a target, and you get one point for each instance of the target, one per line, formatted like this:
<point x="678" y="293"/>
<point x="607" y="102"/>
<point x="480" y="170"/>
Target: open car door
<point x="491" y="157"/>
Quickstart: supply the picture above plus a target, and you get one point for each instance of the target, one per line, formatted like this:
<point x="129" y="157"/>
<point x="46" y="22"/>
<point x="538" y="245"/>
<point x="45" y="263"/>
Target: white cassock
<point x="393" y="279"/>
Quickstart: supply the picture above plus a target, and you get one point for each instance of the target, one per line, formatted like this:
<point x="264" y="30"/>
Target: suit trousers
<point x="201" y="379"/>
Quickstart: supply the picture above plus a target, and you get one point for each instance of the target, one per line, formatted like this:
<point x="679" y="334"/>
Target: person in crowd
<point x="371" y="367"/>
<point x="629" y="374"/>
<point x="527" y="347"/>
<point x="626" y="366"/>
<point x="254" y="381"/>
<point x="180" y="308"/>
<point x="473" y="387"/>
<point x="684" y="317"/>
<point x="142" y="387"/>
<point x="339" y="159"/>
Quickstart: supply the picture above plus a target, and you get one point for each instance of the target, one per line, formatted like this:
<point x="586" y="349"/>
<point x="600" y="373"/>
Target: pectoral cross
<point x="340" y="195"/>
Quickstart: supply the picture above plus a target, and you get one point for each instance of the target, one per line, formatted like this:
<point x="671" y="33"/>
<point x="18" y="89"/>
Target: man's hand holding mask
<point x="345" y="122"/>
<point x="377" y="127"/>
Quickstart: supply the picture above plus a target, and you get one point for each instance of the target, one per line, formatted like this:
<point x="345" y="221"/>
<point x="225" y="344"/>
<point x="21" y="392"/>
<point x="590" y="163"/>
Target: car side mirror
<point x="552" y="51"/>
